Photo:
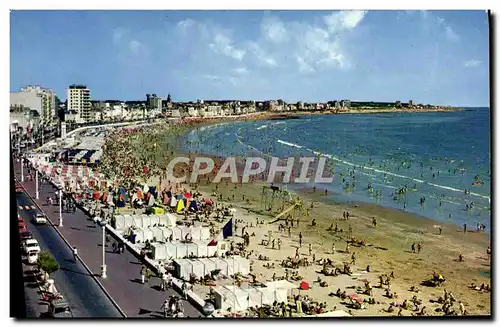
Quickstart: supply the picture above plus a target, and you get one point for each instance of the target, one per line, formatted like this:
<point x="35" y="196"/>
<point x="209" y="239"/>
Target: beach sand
<point x="387" y="249"/>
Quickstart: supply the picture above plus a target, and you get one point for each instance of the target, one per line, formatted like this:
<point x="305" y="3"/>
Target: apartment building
<point x="79" y="102"/>
<point x="36" y="98"/>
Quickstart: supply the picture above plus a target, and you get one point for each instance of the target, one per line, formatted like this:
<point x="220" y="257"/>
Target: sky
<point x="431" y="57"/>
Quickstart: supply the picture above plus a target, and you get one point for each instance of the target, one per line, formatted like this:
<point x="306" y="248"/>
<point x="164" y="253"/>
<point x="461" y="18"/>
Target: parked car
<point x="25" y="236"/>
<point x="19" y="189"/>
<point x="32" y="257"/>
<point x="59" y="308"/>
<point x="22" y="226"/>
<point x="20" y="219"/>
<point x="39" y="219"/>
<point x="31" y="245"/>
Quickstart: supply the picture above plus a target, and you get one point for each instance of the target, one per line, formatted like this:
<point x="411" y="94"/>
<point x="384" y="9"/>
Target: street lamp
<point x="22" y="169"/>
<point x="36" y="177"/>
<point x="60" y="208"/>
<point x="102" y="223"/>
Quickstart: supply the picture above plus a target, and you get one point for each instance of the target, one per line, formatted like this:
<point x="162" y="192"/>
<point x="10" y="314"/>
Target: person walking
<point x="75" y="253"/>
<point x="143" y="274"/>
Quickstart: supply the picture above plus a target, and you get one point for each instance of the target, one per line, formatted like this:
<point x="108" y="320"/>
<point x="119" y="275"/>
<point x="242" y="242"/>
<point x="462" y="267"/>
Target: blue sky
<point x="438" y="57"/>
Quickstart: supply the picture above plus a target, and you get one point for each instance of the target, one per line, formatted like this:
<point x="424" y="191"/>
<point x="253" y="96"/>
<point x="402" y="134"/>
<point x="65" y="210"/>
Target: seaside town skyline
<point x="294" y="56"/>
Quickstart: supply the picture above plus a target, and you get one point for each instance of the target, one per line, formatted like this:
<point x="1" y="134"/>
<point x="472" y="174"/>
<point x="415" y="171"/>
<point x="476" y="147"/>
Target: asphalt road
<point x="122" y="283"/>
<point x="72" y="280"/>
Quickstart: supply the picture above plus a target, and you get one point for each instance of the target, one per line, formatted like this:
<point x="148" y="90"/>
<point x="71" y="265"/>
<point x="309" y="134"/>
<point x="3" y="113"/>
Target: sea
<point x="395" y="160"/>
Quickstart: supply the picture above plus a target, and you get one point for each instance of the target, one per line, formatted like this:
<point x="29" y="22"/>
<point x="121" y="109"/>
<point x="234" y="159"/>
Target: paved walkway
<point x="122" y="283"/>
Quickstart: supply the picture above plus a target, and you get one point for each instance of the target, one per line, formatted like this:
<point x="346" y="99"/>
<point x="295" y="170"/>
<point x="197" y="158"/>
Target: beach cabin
<point x="170" y="220"/>
<point x="197" y="268"/>
<point x="243" y="265"/>
<point x="159" y="251"/>
<point x="185" y="231"/>
<point x="230" y="297"/>
<point x="176" y="233"/>
<point x="154" y="220"/>
<point x="221" y="265"/>
<point x="167" y="232"/>
<point x="143" y="234"/>
<point x="208" y="264"/>
<point x="182" y="268"/>
<point x="202" y="248"/>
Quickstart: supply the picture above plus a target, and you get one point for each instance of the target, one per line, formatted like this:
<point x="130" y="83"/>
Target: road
<point x="84" y="296"/>
<point x="122" y="283"/>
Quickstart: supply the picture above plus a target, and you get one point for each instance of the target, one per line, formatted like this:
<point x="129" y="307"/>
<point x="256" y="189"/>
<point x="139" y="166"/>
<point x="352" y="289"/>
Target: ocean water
<point x="435" y="156"/>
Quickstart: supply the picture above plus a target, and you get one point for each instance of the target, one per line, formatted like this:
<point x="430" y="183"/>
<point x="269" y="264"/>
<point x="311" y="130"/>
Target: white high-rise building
<point x="36" y="98"/>
<point x="79" y="102"/>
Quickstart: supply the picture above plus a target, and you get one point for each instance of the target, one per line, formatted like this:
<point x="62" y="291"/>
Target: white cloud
<point x="135" y="46"/>
<point x="185" y="23"/>
<point x="344" y="20"/>
<point x="241" y="70"/>
<point x="274" y="29"/>
<point x="298" y="46"/>
<point x="223" y="45"/>
<point x="472" y="63"/>
<point x="262" y="56"/>
<point x="118" y="34"/>
<point x="450" y="34"/>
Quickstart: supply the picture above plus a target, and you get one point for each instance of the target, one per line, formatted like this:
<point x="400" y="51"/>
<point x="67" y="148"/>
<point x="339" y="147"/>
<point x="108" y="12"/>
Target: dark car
<point x="25" y="235"/>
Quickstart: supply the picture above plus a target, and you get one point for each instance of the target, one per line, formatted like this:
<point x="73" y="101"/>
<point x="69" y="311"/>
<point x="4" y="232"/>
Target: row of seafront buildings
<point x="37" y="106"/>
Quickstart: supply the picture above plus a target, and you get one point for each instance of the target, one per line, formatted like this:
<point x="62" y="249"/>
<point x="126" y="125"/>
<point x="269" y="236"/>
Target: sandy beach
<point x="387" y="248"/>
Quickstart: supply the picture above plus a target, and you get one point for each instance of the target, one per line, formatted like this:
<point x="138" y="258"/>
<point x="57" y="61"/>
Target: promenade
<point x="122" y="282"/>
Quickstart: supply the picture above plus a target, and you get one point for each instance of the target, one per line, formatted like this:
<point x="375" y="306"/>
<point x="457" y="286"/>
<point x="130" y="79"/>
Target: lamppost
<point x="60" y="208"/>
<point x="102" y="223"/>
<point x="22" y="169"/>
<point x="36" y="180"/>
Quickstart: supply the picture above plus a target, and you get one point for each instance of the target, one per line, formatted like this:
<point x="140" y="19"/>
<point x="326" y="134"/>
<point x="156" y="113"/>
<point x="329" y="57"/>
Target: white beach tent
<point x="185" y="231"/>
<point x="143" y="234"/>
<point x="205" y="233"/>
<point x="171" y="249"/>
<point x="170" y="220"/>
<point x="227" y="297"/>
<point x="182" y="268"/>
<point x="211" y="250"/>
<point x="154" y="220"/>
<point x="166" y="233"/>
<point x="220" y="264"/>
<point x="232" y="265"/>
<point x="243" y="265"/>
<point x="192" y="249"/>
<point x="177" y="250"/>
<point x="209" y="265"/>
<point x="197" y="268"/>
<point x="177" y="233"/>
<point x="159" y="251"/>
<point x="200" y="233"/>
<point x="128" y="221"/>
<point x="138" y="221"/>
<point x="157" y="234"/>
<point x="282" y="284"/>
<point x="202" y="248"/>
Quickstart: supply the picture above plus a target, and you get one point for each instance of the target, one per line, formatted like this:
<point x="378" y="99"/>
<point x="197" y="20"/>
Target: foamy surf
<point x="329" y="156"/>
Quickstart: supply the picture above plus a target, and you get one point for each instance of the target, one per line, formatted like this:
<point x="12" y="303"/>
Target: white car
<point x="40" y="219"/>
<point x="31" y="245"/>
<point x="32" y="257"/>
